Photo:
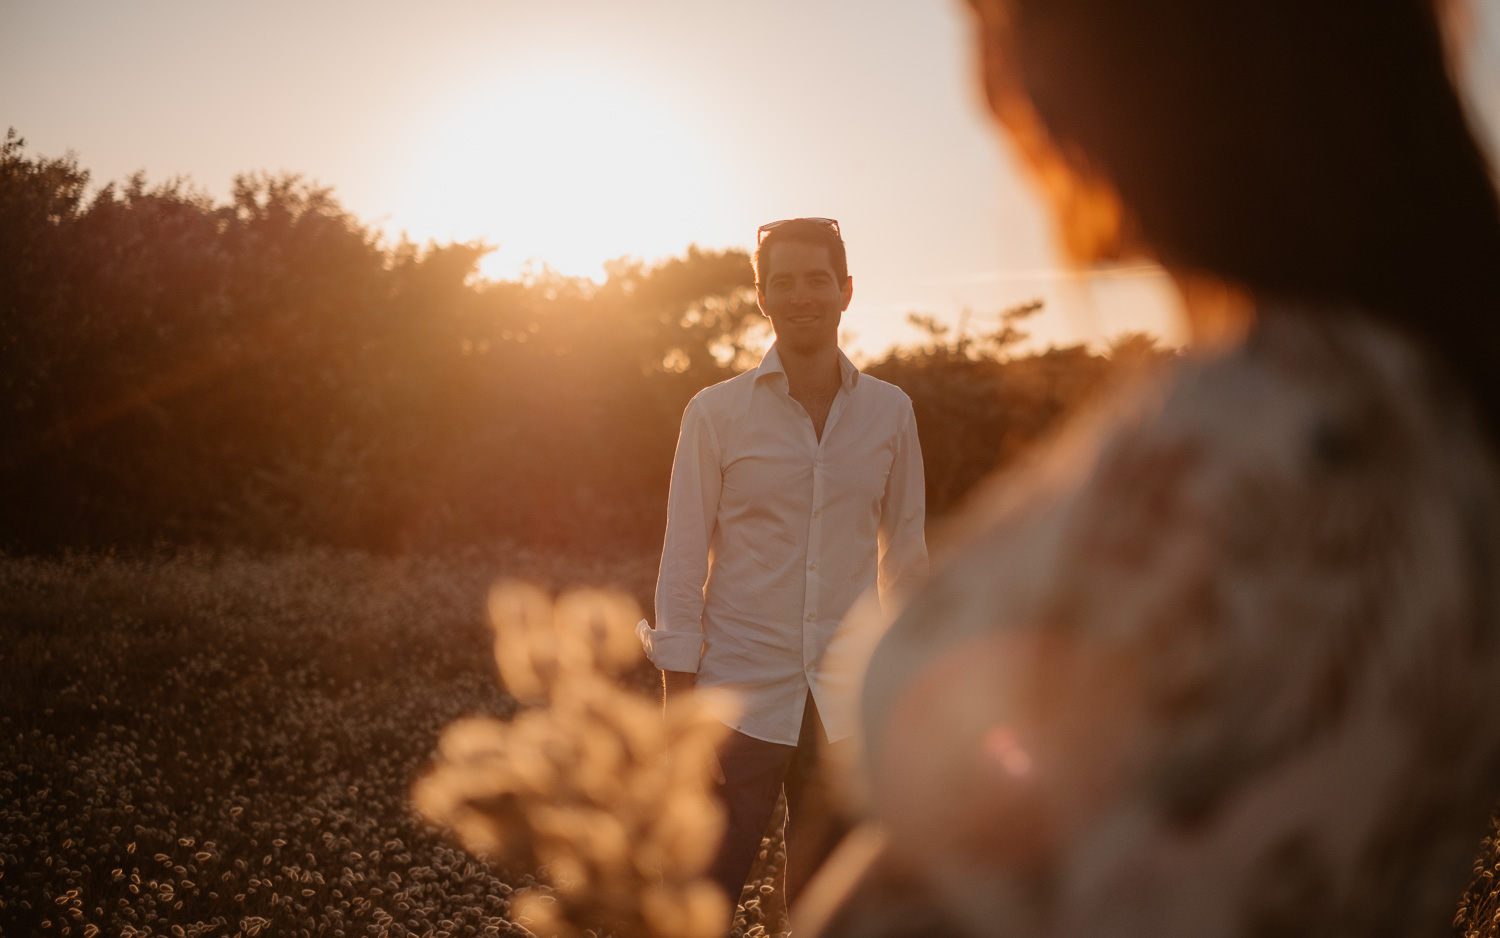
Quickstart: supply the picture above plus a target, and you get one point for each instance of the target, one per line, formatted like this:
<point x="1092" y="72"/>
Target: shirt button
<point x="809" y="618"/>
<point x="818" y="463"/>
<point x="818" y="513"/>
<point x="812" y="566"/>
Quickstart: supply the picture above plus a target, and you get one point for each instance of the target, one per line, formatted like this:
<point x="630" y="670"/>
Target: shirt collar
<point x="770" y="364"/>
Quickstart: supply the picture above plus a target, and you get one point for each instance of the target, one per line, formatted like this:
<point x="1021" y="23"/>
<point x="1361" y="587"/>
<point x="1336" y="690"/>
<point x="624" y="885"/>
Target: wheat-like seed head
<point x="592" y="783"/>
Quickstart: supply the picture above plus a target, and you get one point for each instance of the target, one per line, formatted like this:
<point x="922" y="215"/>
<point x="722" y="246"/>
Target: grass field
<point x="225" y="745"/>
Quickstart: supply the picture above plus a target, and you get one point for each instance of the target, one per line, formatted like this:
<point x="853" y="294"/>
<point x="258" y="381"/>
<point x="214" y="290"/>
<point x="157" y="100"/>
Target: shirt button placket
<point x="814" y="547"/>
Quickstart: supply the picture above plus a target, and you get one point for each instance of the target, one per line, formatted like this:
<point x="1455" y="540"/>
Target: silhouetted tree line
<point x="267" y="372"/>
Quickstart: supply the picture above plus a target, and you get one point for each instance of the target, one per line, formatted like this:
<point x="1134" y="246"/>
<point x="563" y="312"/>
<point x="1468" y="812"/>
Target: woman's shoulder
<point x="1251" y="599"/>
<point x="1309" y="391"/>
<point x="1307" y="400"/>
<point x="1264" y="492"/>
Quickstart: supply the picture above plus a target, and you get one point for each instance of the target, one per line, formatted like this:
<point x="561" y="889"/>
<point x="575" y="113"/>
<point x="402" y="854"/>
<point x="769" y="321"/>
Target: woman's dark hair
<point x="1302" y="149"/>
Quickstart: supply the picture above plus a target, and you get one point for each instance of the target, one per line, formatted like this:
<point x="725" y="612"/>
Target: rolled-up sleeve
<point x="903" y="511"/>
<point x="676" y="644"/>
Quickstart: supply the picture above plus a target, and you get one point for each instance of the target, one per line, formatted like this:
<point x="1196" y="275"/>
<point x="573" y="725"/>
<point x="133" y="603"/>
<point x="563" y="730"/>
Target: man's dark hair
<point x="805" y="231"/>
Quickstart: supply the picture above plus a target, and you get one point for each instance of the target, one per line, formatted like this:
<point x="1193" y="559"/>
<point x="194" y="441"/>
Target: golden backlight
<point x="564" y="166"/>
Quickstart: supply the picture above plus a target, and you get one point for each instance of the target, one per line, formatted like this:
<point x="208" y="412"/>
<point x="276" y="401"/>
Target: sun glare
<point x="565" y="168"/>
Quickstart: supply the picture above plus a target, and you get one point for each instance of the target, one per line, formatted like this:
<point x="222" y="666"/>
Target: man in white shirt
<point x="796" y="487"/>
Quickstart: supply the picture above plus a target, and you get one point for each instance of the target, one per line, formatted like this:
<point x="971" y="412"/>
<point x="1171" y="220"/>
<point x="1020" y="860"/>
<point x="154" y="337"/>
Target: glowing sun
<point x="565" y="167"/>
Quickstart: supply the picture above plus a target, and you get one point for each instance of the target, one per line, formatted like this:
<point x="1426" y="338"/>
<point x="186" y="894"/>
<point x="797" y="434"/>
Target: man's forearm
<point x="675" y="684"/>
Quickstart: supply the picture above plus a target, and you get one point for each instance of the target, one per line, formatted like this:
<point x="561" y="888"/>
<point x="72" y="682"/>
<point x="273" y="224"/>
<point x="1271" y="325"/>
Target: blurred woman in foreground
<point x="1226" y="660"/>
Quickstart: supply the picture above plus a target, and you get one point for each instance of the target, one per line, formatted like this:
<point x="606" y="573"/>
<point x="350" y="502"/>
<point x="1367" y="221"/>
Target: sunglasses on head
<point x="770" y="226"/>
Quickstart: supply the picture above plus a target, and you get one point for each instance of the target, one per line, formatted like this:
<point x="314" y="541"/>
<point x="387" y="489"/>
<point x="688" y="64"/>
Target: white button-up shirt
<point x="771" y="536"/>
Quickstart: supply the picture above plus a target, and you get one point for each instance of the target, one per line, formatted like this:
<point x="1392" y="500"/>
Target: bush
<point x="267" y="373"/>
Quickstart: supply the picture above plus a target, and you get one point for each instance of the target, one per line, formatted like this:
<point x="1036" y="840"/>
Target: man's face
<point x="803" y="297"/>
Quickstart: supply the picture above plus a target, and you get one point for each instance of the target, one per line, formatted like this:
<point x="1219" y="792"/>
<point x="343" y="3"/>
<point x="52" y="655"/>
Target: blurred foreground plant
<point x="590" y="782"/>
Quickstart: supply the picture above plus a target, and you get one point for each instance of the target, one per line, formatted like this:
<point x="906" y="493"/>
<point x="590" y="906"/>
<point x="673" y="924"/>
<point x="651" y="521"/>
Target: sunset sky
<point x="575" y="131"/>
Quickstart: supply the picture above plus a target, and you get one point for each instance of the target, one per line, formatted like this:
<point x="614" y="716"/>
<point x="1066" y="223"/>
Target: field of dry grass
<point x="225" y="745"/>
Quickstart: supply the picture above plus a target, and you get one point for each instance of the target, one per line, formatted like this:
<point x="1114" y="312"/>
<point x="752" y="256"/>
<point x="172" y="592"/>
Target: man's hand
<point x="678" y="685"/>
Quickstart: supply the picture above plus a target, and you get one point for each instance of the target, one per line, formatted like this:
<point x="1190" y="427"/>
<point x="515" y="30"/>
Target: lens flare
<point x="1001" y="746"/>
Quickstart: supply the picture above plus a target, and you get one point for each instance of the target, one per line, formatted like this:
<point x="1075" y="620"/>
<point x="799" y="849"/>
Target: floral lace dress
<point x="1224" y="660"/>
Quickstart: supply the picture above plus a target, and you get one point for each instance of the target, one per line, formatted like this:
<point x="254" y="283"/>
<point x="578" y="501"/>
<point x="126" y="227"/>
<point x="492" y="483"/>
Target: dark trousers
<point x="755" y="773"/>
